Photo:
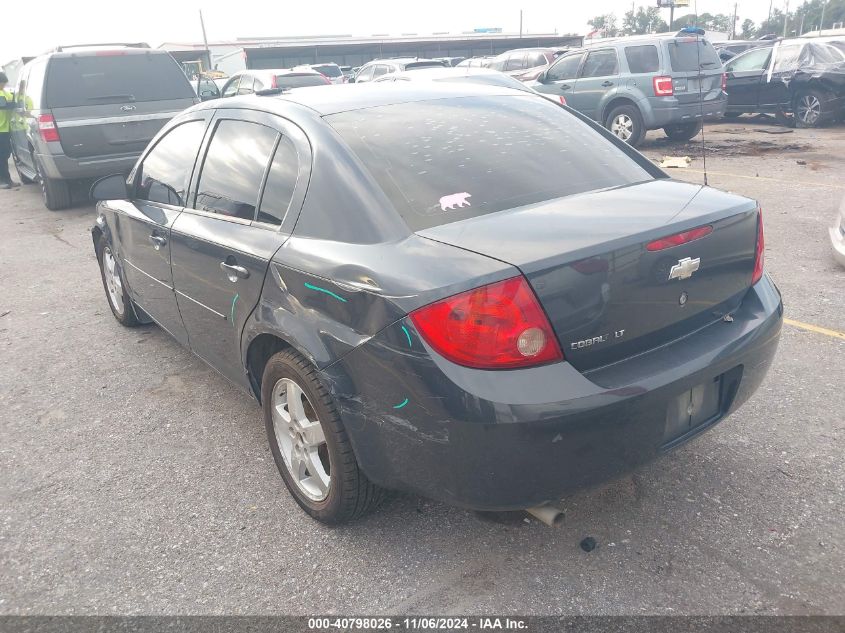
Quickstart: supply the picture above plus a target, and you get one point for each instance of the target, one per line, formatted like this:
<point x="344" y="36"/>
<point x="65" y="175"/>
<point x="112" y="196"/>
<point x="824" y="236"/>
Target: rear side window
<point x="450" y="159"/>
<point x="329" y="70"/>
<point x="536" y="59"/>
<point x="685" y="55"/>
<point x="234" y="167"/>
<point x="281" y="181"/>
<point x="114" y="78"/>
<point x="515" y="62"/>
<point x="163" y="176"/>
<point x="642" y="59"/>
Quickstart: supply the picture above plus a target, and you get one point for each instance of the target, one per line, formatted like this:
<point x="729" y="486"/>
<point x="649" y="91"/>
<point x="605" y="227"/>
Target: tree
<point x="719" y="22"/>
<point x="605" y="24"/>
<point x="643" y="21"/>
<point x="810" y="13"/>
<point x="748" y="30"/>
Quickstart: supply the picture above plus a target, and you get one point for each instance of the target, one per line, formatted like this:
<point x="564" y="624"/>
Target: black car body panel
<point x="335" y="272"/>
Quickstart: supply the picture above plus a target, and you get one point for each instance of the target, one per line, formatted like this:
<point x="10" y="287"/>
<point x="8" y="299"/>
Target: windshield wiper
<point x="119" y="97"/>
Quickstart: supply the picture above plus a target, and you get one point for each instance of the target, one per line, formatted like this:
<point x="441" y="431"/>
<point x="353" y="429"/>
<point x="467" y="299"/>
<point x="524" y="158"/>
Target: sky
<point x="157" y="21"/>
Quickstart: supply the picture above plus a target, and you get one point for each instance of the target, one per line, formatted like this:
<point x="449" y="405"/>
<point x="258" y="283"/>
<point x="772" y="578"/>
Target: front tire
<point x="626" y="123"/>
<point x="309" y="443"/>
<point x="683" y="132"/>
<point x="114" y="284"/>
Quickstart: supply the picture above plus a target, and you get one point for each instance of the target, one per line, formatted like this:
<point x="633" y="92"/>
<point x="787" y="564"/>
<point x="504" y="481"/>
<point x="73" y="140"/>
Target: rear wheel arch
<point x="614" y="103"/>
<point x="260" y="350"/>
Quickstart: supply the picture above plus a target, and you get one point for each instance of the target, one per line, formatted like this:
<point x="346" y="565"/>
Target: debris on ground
<point x="588" y="544"/>
<point x="801" y="162"/>
<point x="2" y="314"/>
<point x="674" y="162"/>
<point x="775" y="131"/>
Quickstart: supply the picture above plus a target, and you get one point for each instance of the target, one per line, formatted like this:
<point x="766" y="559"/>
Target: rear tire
<point x="309" y="443"/>
<point x="114" y="283"/>
<point x="683" y="132"/>
<point x="626" y="123"/>
<point x="55" y="193"/>
<point x="810" y="109"/>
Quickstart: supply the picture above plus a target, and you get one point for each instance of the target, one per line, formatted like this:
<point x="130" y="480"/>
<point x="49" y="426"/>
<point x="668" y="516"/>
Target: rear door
<point x="222" y="243"/>
<point x="746" y="73"/>
<point x="599" y="75"/>
<point x="144" y="222"/>
<point x="114" y="102"/>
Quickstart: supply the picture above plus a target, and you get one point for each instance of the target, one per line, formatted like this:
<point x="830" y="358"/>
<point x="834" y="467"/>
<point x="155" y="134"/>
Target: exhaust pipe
<point x="548" y="514"/>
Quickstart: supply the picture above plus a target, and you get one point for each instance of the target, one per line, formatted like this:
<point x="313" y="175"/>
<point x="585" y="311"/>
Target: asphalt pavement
<point x="136" y="480"/>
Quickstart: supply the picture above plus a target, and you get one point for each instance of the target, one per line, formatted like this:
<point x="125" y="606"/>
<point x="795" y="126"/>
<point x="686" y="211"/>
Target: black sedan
<point x="463" y="291"/>
<point x="800" y="81"/>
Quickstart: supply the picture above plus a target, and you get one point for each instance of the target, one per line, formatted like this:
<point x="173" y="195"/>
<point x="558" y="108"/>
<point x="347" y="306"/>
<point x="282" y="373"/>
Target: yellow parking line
<point x="815" y="328"/>
<point x="780" y="180"/>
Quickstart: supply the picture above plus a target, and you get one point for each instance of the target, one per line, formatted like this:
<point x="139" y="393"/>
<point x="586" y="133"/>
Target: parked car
<point x="450" y="61"/>
<point x="246" y="82"/>
<point x="800" y="81"/>
<point x="347" y="71"/>
<point x="525" y="64"/>
<point x="476" y="62"/>
<point x="731" y="48"/>
<point x="329" y="70"/>
<point x="837" y="235"/>
<point x="634" y="84"/>
<point x="376" y="68"/>
<point x="483" y="76"/>
<point x="392" y="281"/>
<point x="84" y="112"/>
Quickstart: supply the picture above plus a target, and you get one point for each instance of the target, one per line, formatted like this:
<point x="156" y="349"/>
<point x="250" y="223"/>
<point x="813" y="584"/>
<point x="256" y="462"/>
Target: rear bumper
<point x="514" y="439"/>
<point x="665" y="111"/>
<point x="62" y="167"/>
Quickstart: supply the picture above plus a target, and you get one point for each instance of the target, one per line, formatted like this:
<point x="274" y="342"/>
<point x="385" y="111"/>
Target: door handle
<point x="565" y="87"/>
<point x="157" y="241"/>
<point x="607" y="84"/>
<point x="234" y="272"/>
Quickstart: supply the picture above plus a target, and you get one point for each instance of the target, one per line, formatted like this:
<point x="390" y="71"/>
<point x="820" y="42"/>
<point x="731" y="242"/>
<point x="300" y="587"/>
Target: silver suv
<point x="634" y="84"/>
<point x="86" y="112"/>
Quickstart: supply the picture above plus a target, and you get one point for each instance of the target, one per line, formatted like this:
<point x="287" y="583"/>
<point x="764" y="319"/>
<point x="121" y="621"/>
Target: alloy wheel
<point x="622" y="126"/>
<point x="809" y="109"/>
<point x="114" y="284"/>
<point x="301" y="441"/>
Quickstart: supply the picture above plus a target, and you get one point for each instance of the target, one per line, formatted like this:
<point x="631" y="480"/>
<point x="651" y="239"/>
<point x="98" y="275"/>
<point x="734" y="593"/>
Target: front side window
<point x="642" y="59"/>
<point x="566" y="68"/>
<point x="515" y="62"/>
<point x="365" y="75"/>
<point x="231" y="88"/>
<point x="446" y="160"/>
<point x="281" y="181"/>
<point x="536" y="59"/>
<point x="753" y="60"/>
<point x="245" y="87"/>
<point x="380" y="70"/>
<point x="234" y="166"/>
<point x="163" y="176"/>
<point x="601" y="64"/>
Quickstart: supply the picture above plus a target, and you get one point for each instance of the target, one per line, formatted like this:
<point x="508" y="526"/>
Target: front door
<point x="599" y="75"/>
<point x="745" y="76"/>
<point x="559" y="79"/>
<point x="222" y="243"/>
<point x="143" y="223"/>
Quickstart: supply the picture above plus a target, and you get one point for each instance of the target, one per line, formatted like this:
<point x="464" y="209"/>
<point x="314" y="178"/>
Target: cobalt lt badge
<point x="684" y="268"/>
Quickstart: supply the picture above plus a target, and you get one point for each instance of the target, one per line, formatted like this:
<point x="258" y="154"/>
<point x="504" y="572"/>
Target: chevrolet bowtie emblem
<point x="684" y="268"/>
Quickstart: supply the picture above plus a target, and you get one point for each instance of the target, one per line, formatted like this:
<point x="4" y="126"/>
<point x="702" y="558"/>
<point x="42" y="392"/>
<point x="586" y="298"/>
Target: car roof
<point x="347" y="97"/>
<point x="277" y="71"/>
<point x="448" y="71"/>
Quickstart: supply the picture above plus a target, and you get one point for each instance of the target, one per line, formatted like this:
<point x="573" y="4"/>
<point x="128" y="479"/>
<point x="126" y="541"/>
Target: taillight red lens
<point x="759" y="254"/>
<point x="498" y="326"/>
<point x="47" y="128"/>
<point x="663" y="87"/>
<point x="562" y="100"/>
<point x="724" y="82"/>
<point x="679" y="238"/>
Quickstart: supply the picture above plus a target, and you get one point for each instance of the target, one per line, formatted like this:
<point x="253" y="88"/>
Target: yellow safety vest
<point x="6" y="115"/>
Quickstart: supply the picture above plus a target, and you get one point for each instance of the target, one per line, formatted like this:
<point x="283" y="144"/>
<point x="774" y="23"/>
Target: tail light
<point x="328" y="81"/>
<point x="562" y="100"/>
<point x="274" y="83"/>
<point x="759" y="254"/>
<point x="47" y="128"/>
<point x="663" y="87"/>
<point x="679" y="238"/>
<point x="724" y="82"/>
<point x="498" y="326"/>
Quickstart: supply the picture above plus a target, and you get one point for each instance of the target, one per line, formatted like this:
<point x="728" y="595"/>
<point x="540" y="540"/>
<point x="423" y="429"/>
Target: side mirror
<point x="541" y="78"/>
<point x="110" y="188"/>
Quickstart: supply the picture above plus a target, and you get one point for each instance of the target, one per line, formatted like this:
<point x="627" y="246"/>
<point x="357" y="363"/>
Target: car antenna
<point x="698" y="32"/>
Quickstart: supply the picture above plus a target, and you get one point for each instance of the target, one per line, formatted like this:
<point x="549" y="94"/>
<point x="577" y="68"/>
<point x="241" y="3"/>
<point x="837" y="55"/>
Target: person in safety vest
<point x="7" y="109"/>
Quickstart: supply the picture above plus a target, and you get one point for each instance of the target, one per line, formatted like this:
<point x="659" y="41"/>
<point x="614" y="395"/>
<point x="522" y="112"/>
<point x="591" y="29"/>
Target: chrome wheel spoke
<point x="294" y="402"/>
<point x="312" y="433"/>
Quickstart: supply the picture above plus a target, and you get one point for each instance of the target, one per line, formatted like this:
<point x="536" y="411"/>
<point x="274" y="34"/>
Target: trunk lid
<point x="607" y="296"/>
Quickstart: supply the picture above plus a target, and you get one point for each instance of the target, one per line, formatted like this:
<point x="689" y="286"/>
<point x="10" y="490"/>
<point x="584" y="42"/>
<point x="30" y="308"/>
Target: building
<point x="354" y="51"/>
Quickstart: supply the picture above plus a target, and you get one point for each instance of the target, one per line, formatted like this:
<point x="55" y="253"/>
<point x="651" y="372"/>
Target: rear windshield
<point x="450" y="159"/>
<point x="299" y="81"/>
<point x="685" y="55"/>
<point x="417" y="65"/>
<point x="114" y="78"/>
<point x="329" y="70"/>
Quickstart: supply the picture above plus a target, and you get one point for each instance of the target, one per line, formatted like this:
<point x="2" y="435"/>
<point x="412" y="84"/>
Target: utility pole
<point x="733" y="24"/>
<point x="769" y="19"/>
<point x="786" y="18"/>
<point x="520" y="24"/>
<point x="671" y="14"/>
<point x="821" y="24"/>
<point x="205" y="40"/>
